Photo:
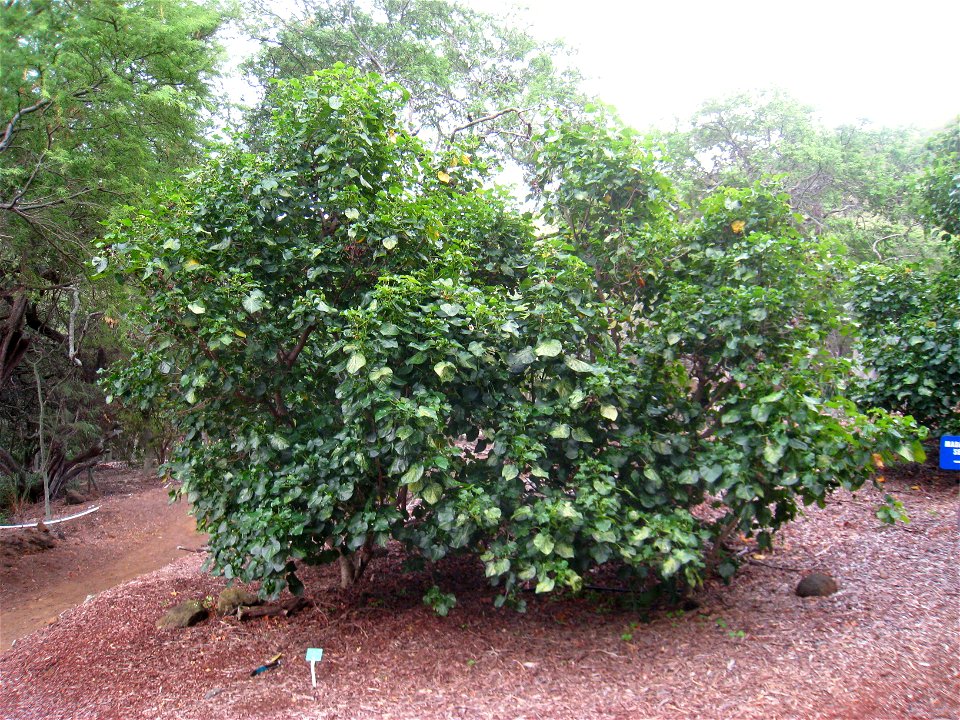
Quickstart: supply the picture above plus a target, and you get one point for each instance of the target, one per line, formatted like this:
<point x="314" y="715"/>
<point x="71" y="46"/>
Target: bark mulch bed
<point x="886" y="645"/>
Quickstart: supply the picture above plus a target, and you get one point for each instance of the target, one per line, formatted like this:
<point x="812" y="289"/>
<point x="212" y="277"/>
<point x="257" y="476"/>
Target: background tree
<point x="469" y="75"/>
<point x="854" y="182"/>
<point x="910" y="315"/>
<point x="363" y="344"/>
<point x="99" y="100"/>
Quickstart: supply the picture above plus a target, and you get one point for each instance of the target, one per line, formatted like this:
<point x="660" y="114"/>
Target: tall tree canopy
<point x="468" y="73"/>
<point x="99" y="100"/>
<point x="855" y="182"/>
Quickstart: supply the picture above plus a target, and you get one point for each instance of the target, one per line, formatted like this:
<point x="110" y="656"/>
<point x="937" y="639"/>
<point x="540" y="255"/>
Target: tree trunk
<point x="353" y="565"/>
<point x="13" y="343"/>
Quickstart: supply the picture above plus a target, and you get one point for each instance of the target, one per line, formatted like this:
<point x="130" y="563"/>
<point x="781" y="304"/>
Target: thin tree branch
<point x="8" y="133"/>
<point x="291" y="357"/>
<point x="488" y="118"/>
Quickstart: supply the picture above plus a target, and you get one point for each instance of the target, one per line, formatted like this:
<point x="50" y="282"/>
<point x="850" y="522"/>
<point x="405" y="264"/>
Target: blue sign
<point x="950" y="452"/>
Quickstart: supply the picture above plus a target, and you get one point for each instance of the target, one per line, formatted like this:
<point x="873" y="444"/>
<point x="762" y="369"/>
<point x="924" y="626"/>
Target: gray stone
<point x="233" y="598"/>
<point x="183" y="615"/>
<point x="816" y="585"/>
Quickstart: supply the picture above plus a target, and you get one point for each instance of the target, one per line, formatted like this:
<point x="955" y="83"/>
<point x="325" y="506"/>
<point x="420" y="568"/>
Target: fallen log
<point x="285" y="608"/>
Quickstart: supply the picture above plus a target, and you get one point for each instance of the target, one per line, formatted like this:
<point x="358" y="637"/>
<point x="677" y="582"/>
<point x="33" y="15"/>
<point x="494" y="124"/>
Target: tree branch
<point x="8" y="133"/>
<point x="488" y="118"/>
<point x="291" y="357"/>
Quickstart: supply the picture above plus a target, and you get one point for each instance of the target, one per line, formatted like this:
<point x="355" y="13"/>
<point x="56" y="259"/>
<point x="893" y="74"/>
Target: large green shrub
<point x="362" y="345"/>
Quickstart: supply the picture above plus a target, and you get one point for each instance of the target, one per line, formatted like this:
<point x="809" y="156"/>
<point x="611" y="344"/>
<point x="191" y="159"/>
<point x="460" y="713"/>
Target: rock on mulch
<point x="885" y="645"/>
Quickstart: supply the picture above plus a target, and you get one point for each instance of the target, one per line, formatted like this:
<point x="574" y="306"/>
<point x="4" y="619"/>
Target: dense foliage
<point x="362" y="344"/>
<point x="98" y="99"/>
<point x="910" y="315"/>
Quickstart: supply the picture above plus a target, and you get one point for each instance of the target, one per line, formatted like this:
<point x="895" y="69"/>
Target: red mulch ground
<point x="887" y="645"/>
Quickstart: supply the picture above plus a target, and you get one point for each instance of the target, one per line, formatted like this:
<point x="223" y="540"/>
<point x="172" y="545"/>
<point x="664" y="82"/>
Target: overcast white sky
<point x="894" y="63"/>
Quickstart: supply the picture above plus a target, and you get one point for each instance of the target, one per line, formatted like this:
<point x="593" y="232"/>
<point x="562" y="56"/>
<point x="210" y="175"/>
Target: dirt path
<point x="135" y="531"/>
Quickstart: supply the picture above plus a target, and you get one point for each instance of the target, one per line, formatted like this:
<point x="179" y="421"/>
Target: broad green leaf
<point x="380" y="374"/>
<point x="351" y="213"/>
<point x="450" y="309"/>
<point x="773" y="452"/>
<point x="196" y="308"/>
<point x="432" y="493"/>
<point x="581" y="435"/>
<point x="335" y="102"/>
<point x="673" y="338"/>
<point x="730" y="417"/>
<point x="711" y="472"/>
<point x="578" y="365"/>
<point x="510" y="471"/>
<point x="445" y="370"/>
<point x="518" y="362"/>
<point x="412" y="475"/>
<point x="562" y="431"/>
<point x="546" y="585"/>
<point x="549" y="348"/>
<point x="254" y="301"/>
<point x="356" y="361"/>
<point x="543" y="542"/>
<point x="670" y="566"/>
<point x="390" y="242"/>
<point x="426" y="411"/>
<point x="609" y="412"/>
<point x="761" y="413"/>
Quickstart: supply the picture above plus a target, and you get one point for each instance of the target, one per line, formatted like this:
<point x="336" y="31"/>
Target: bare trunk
<point x="352" y="566"/>
<point x="43" y="454"/>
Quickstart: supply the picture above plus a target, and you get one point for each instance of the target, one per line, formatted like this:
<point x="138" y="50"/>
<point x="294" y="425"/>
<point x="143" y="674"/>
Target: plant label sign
<point x="314" y="655"/>
<point x="950" y="452"/>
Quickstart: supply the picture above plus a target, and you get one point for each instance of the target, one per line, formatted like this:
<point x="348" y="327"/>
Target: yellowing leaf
<point x="191" y="264"/>
<point x="443" y="177"/>
<point x="355" y="362"/>
<point x="737" y="226"/>
<point x="877" y="460"/>
<point x="549" y="348"/>
<point x="239" y="333"/>
<point x="465" y="159"/>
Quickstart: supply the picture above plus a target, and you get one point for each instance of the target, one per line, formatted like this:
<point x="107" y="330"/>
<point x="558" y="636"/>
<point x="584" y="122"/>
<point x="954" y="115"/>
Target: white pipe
<point x="50" y="522"/>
